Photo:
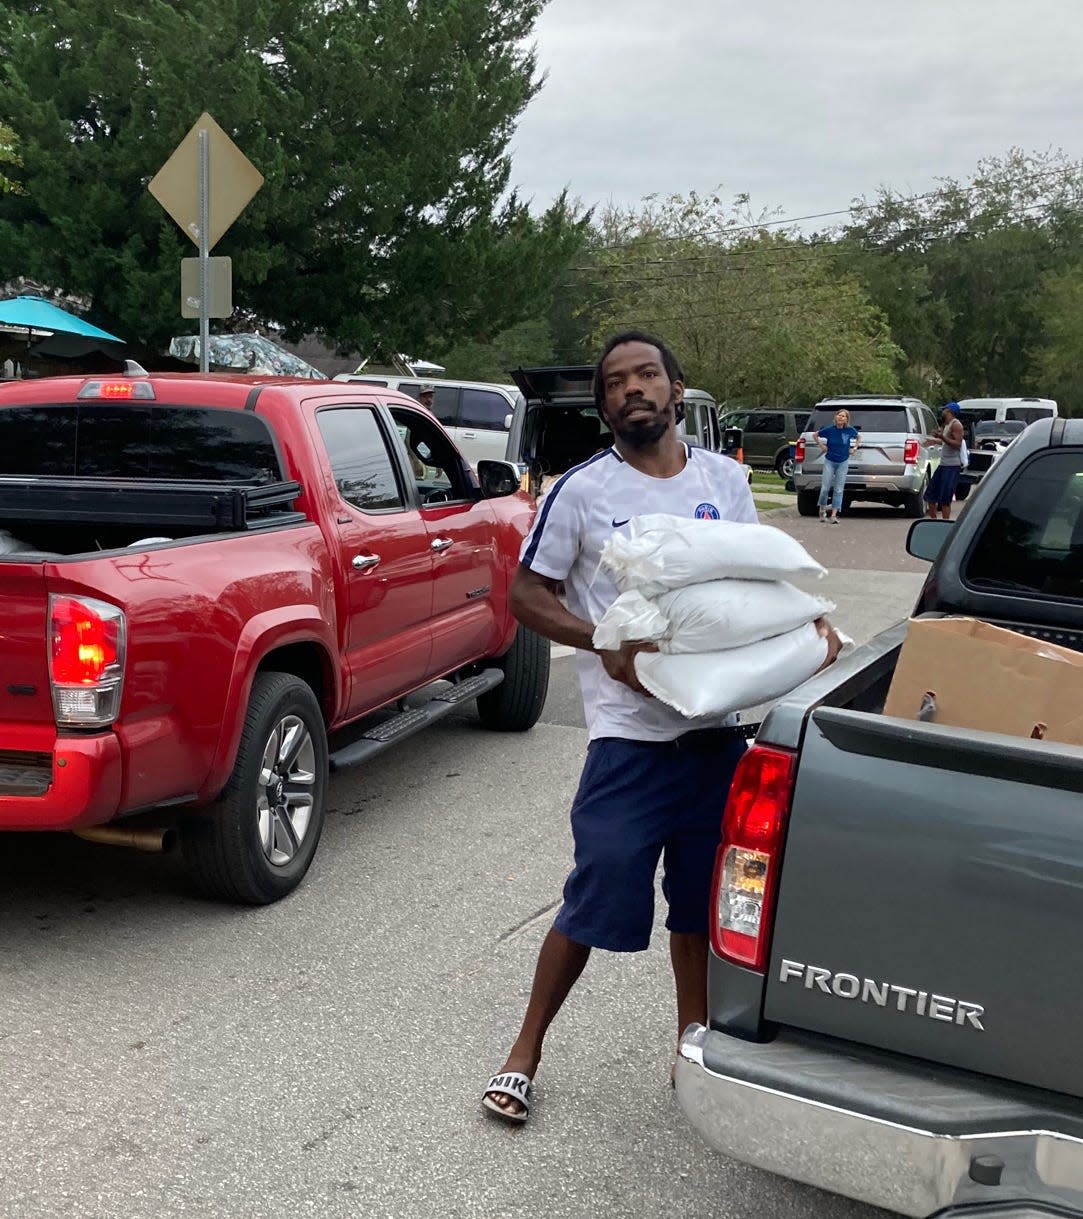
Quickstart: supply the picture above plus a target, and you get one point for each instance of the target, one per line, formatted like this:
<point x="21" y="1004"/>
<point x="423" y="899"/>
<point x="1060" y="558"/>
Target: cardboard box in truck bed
<point x="984" y="677"/>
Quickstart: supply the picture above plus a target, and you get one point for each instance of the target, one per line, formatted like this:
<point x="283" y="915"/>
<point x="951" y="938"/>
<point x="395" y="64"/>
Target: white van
<point x="477" y="414"/>
<point x="999" y="410"/>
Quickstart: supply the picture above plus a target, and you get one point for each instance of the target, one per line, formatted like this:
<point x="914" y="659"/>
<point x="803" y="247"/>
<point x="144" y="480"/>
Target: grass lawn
<point x="768" y="481"/>
<point x="765" y="505"/>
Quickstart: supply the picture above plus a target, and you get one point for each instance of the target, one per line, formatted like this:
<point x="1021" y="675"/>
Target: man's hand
<point x="834" y="644"/>
<point x="621" y="666"/>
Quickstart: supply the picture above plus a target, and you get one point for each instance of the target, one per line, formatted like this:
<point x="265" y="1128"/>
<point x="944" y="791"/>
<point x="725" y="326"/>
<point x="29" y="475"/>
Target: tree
<point x="381" y="129"/>
<point x="1058" y="361"/>
<point x="8" y="156"/>
<point x="959" y="270"/>
<point x="528" y="344"/>
<point x="757" y="317"/>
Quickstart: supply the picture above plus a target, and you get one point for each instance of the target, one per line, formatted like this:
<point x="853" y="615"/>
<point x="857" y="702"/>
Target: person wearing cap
<point x="941" y="489"/>
<point x="425" y="395"/>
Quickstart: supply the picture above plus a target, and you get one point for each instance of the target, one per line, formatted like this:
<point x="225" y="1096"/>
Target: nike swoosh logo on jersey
<point x="617" y="524"/>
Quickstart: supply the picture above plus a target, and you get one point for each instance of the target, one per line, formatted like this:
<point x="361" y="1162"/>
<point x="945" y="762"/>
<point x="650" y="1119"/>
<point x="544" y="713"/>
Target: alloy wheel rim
<point x="286" y="790"/>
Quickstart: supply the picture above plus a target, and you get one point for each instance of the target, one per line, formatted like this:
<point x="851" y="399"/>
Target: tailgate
<point x="931" y="897"/>
<point x="25" y="696"/>
<point x="883" y="454"/>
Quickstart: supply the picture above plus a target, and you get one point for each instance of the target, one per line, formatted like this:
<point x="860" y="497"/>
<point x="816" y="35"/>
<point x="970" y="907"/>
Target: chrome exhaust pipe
<point x="154" y="840"/>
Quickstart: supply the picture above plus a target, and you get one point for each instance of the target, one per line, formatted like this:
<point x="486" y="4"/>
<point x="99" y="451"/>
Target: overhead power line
<point x="797" y="252"/>
<point x="1063" y="171"/>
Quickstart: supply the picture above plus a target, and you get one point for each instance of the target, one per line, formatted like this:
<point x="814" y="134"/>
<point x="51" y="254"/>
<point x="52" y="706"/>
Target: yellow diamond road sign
<point x="233" y="182"/>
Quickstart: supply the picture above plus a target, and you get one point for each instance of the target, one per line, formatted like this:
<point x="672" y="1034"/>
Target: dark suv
<point x="768" y="435"/>
<point x="896" y="457"/>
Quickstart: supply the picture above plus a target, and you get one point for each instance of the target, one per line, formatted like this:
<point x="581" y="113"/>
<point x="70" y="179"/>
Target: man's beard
<point x="642" y="433"/>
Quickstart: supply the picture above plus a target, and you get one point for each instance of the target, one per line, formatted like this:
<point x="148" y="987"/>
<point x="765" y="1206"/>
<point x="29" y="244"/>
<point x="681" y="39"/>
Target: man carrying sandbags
<point x="654" y="782"/>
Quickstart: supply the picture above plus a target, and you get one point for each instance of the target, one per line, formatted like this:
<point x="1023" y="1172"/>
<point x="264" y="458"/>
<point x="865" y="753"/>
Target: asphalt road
<point x="166" y="1056"/>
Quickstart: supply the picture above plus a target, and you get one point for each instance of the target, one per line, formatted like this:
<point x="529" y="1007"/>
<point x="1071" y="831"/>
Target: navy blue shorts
<point x="941" y="488"/>
<point x="638" y="801"/>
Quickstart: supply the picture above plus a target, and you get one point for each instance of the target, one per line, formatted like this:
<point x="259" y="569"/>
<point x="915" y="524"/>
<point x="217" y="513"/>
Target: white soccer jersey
<point x="576" y="518"/>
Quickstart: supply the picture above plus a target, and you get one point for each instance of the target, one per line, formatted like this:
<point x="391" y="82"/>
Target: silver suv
<point x="893" y="463"/>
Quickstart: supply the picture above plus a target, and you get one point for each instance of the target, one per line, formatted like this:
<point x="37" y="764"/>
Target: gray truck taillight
<point x="87" y="646"/>
<point x="748" y="860"/>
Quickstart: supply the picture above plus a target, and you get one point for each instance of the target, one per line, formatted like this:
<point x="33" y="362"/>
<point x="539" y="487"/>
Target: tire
<point x="914" y="503"/>
<point x="516" y="704"/>
<point x="254" y="845"/>
<point x="808" y="503"/>
<point x="784" y="465"/>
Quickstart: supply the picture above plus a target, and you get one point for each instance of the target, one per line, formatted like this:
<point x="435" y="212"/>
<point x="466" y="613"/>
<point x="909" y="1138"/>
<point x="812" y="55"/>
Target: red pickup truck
<point x="215" y="589"/>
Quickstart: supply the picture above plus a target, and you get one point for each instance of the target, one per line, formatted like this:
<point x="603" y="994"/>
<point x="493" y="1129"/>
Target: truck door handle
<point x="365" y="562"/>
<point x="439" y="544"/>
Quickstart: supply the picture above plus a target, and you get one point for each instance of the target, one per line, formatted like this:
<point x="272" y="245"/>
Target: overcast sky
<point x="805" y="104"/>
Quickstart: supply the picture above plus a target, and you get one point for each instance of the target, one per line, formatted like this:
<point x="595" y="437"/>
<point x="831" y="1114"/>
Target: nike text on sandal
<point x="513" y="1084"/>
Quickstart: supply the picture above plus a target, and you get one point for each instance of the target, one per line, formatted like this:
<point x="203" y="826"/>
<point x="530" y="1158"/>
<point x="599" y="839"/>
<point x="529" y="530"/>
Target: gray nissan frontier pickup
<point x="896" y="975"/>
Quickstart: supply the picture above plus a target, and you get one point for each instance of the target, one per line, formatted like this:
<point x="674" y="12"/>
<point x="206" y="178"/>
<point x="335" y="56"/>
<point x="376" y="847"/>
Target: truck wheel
<point x="784" y="464"/>
<point x="914" y="503"/>
<point x="516" y="704"/>
<point x="255" y="843"/>
<point x="808" y="503"/>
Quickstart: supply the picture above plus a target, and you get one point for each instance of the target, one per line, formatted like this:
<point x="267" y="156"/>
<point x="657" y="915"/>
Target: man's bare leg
<point x="560" y="963"/>
<point x="689" y="956"/>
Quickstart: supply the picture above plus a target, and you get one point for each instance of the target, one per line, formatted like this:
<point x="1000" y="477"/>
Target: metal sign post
<point x="204" y="196"/>
<point x="205" y="208"/>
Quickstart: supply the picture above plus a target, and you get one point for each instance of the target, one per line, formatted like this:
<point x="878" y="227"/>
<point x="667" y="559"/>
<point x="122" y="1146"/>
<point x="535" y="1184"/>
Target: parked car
<point x="556" y="424"/>
<point x="988" y="440"/>
<point x="204" y="580"/>
<point x="893" y="989"/>
<point x="700" y="421"/>
<point x="769" y="436"/>
<point x="893" y="463"/>
<point x="475" y="414"/>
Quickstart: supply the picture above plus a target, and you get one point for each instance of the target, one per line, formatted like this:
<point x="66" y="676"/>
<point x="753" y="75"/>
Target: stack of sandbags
<point x="714" y="597"/>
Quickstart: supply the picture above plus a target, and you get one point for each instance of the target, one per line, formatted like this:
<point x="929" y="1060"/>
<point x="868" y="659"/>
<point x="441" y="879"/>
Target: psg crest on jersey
<point x="707" y="512"/>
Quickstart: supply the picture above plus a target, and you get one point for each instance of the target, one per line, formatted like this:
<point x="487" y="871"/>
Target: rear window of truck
<point x="1033" y="539"/>
<point x="110" y="440"/>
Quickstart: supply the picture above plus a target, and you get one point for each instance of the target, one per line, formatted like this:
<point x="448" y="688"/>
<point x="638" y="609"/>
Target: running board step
<point x="378" y="738"/>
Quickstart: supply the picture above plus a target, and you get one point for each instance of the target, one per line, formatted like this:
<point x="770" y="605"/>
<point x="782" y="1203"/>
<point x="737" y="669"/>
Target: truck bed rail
<point x="168" y="504"/>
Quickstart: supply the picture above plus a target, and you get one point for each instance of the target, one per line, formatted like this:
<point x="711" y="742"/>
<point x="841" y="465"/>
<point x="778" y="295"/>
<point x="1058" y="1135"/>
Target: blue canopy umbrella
<point x="35" y="313"/>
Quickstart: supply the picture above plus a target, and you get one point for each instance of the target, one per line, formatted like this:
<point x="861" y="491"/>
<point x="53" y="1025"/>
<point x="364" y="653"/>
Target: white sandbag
<point x="711" y="617"/>
<point x="10" y="544"/>
<point x="716" y="683"/>
<point x="661" y="552"/>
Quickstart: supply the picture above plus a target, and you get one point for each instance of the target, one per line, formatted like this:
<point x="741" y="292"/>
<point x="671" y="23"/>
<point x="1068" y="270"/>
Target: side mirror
<point x="498" y="478"/>
<point x="926" y="538"/>
<point x="731" y="439"/>
<point x="507" y="421"/>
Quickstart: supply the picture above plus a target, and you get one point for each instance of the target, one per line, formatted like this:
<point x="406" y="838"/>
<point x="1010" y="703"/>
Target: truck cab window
<point x="1033" y="540"/>
<point x="360" y="458"/>
<point x="436" y="465"/>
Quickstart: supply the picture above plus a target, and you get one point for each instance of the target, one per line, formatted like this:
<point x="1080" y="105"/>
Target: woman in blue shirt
<point x="837" y="443"/>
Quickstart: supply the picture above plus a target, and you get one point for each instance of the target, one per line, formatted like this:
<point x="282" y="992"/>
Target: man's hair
<point x="669" y="363"/>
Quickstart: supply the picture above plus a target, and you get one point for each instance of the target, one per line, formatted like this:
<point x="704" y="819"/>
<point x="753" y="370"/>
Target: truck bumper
<point x="51" y="782"/>
<point x="860" y="485"/>
<point x="886" y="1131"/>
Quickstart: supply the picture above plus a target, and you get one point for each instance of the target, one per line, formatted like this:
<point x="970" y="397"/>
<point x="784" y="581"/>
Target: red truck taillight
<point x="87" y="645"/>
<point x="747" y="865"/>
<point x="910" y="452"/>
<point x="799" y="452"/>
